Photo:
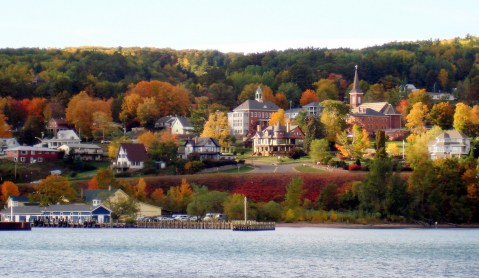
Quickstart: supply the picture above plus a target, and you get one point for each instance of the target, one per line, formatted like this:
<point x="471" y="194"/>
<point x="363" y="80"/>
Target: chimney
<point x="258" y="128"/>
<point x="81" y="193"/>
<point x="288" y="127"/>
<point x="109" y="188"/>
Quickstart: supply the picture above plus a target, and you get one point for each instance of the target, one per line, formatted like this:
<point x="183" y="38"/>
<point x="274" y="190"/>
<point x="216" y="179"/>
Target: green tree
<point x="294" y="193"/>
<point x="271" y="211"/>
<point x="383" y="191"/>
<point x="380" y="144"/>
<point x="319" y="150"/>
<point x="333" y="118"/>
<point x="123" y="208"/>
<point x="204" y="201"/>
<point x="233" y="206"/>
<point x="312" y="130"/>
<point x="328" y="197"/>
<point x="417" y="150"/>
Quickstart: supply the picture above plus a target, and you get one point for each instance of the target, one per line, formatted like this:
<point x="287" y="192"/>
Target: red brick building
<point x="371" y="115"/>
<point x="28" y="154"/>
<point x="246" y="117"/>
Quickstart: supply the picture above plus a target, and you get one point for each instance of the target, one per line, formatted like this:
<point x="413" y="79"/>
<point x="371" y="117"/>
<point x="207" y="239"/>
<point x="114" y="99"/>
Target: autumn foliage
<point x="308" y="96"/>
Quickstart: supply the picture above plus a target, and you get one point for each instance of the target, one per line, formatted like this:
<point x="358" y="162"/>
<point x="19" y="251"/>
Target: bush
<point x="354" y="167"/>
<point x="295" y="153"/>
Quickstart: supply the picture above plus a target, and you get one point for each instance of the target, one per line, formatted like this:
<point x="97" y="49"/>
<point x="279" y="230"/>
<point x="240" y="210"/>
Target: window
<point x="40" y="159"/>
<point x="22" y="159"/>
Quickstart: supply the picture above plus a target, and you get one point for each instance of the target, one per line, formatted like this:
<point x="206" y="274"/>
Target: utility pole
<point x="245" y="210"/>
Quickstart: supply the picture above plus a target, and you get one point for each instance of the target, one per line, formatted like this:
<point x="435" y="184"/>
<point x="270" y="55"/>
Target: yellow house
<point x="99" y="196"/>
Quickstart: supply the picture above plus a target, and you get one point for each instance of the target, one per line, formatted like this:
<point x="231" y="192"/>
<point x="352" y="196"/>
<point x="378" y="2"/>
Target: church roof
<point x="356" y="89"/>
<point x="256" y="105"/>
<point x="374" y="108"/>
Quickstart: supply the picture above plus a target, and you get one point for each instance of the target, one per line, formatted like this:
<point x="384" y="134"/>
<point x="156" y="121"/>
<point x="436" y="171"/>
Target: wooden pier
<point x="15" y="226"/>
<point x="195" y="225"/>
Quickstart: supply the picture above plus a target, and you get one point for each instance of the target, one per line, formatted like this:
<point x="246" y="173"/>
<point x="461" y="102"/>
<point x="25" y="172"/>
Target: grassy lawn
<point x="307" y="169"/>
<point x="242" y="169"/>
<point x="274" y="159"/>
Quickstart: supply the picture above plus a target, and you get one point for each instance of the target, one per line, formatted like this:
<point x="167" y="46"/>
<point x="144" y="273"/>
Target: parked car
<point x="181" y="217"/>
<point x="164" y="218"/>
<point x="215" y="217"/>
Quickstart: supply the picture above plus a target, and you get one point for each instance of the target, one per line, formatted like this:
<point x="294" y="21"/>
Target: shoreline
<point x="374" y="226"/>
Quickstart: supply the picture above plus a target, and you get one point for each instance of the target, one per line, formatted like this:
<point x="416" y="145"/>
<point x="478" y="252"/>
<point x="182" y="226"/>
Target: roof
<point x="30" y="148"/>
<point x="22" y="199"/>
<point x="202" y="141"/>
<point x="383" y="108"/>
<point x="67" y="134"/>
<point x="452" y="134"/>
<point x="98" y="194"/>
<point x="23" y="210"/>
<point x="135" y="152"/>
<point x="256" y="105"/>
<point x="356" y="89"/>
<point x="312" y="104"/>
<point x="279" y="131"/>
<point x="75" y="208"/>
<point x="83" y="146"/>
<point x="185" y="122"/>
<point x="164" y="121"/>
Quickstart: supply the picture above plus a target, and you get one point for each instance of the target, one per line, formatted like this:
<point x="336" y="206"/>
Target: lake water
<point x="286" y="252"/>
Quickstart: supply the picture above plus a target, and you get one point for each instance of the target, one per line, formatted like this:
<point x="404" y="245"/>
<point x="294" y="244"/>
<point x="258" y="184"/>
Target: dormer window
<point x="96" y="202"/>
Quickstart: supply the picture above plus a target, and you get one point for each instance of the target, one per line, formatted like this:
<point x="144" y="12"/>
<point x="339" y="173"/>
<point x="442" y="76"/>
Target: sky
<point x="232" y="26"/>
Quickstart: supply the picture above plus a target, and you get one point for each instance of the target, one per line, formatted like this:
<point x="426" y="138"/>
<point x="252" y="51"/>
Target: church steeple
<point x="355" y="95"/>
<point x="259" y="94"/>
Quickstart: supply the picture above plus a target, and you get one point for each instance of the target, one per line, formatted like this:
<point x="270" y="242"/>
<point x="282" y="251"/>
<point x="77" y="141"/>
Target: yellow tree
<point x="129" y="107"/>
<point x="217" y="128"/>
<point x="278" y="117"/>
<point x="9" y="189"/>
<point x="148" y="112"/>
<point x="393" y="150"/>
<point x="140" y="189"/>
<point x="326" y="89"/>
<point x="53" y="190"/>
<point x="443" y="78"/>
<point x="147" y="138"/>
<point x="416" y="119"/>
<point x="4" y="127"/>
<point x="462" y="117"/>
<point x="115" y="145"/>
<point x="80" y="110"/>
<point x="102" y="123"/>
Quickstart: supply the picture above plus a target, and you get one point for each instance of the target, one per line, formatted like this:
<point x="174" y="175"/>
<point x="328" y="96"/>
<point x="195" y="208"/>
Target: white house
<point x="204" y="147"/>
<point x="277" y="140"/>
<point x="130" y="156"/>
<point x="450" y="143"/>
<point x="63" y="137"/>
<point x="181" y="125"/>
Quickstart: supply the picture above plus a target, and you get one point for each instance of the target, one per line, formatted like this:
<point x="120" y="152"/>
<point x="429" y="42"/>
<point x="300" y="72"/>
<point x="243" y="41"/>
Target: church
<point x="371" y="115"/>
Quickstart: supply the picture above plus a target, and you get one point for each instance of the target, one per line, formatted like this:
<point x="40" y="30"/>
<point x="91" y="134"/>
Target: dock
<point x="15" y="226"/>
<point x="194" y="225"/>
